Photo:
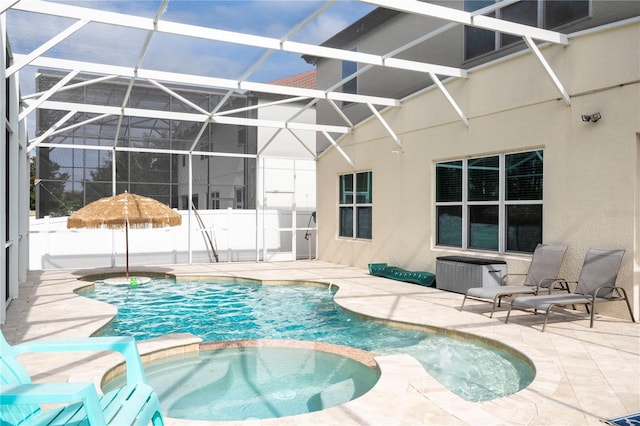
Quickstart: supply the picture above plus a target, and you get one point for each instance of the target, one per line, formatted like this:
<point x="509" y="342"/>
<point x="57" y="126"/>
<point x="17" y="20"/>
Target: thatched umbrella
<point x="124" y="211"/>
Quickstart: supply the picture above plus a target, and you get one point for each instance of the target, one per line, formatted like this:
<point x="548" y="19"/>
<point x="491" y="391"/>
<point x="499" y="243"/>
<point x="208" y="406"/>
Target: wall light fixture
<point x="591" y="117"/>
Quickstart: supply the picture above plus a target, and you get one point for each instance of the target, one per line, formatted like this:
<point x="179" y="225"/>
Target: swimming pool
<point x="222" y="310"/>
<point x="255" y="380"/>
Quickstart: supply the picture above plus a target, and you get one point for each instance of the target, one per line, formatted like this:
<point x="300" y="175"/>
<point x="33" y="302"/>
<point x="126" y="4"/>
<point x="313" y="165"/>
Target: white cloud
<point x="323" y="28"/>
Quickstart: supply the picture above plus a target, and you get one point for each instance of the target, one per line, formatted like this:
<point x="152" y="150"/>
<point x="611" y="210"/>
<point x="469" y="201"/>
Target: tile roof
<point x="305" y="80"/>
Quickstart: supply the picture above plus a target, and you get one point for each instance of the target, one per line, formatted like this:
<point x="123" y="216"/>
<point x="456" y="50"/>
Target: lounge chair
<point x="134" y="404"/>
<point x="542" y="274"/>
<point x="596" y="284"/>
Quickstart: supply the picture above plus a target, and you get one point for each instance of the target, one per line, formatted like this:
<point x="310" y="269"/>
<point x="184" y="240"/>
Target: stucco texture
<point x="590" y="169"/>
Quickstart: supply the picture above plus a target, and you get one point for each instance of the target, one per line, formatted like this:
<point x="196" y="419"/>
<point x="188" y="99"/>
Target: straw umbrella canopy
<point x="124" y="211"/>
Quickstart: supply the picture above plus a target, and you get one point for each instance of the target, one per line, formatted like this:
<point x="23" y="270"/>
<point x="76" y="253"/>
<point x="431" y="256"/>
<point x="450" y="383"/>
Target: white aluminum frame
<point x="83" y="16"/>
<point x="14" y="198"/>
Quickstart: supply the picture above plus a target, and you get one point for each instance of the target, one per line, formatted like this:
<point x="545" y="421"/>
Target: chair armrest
<point x="124" y="345"/>
<point x="613" y="288"/>
<point x="550" y="283"/>
<point x="50" y="393"/>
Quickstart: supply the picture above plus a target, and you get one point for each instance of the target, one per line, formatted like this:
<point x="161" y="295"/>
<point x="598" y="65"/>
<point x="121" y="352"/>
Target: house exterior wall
<point x="387" y="82"/>
<point x="591" y="170"/>
<point x="443" y="48"/>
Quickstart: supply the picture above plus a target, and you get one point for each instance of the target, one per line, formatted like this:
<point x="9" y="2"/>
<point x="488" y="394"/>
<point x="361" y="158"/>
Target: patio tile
<point x="582" y="374"/>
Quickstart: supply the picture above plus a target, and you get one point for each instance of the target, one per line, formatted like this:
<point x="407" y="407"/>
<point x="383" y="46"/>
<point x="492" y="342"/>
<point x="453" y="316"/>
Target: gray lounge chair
<point x="596" y="284"/>
<point x="542" y="274"/>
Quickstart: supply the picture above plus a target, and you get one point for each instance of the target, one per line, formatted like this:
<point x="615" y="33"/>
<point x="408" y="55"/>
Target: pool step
<point x="332" y="395"/>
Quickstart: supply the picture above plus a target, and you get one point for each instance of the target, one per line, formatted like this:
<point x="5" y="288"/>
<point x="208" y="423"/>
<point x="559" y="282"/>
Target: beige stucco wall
<point x="591" y="174"/>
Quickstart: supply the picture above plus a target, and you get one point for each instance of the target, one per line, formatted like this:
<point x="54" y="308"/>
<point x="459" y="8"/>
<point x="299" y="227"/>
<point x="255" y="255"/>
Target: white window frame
<point x="354" y="205"/>
<point x="502" y="203"/>
<point x="215" y="200"/>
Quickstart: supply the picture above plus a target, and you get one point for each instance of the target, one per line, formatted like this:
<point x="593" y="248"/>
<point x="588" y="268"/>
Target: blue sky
<point x="121" y="46"/>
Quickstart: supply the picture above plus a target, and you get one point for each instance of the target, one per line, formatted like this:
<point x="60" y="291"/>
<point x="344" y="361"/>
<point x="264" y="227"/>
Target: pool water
<point x="222" y="311"/>
<point x="254" y="382"/>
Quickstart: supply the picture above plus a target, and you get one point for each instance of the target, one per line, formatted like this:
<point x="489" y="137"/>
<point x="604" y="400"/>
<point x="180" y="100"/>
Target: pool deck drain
<point x="582" y="374"/>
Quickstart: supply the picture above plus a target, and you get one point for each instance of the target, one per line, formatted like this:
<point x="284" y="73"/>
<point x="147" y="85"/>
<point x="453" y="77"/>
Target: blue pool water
<point x="222" y="311"/>
<point x="254" y="382"/>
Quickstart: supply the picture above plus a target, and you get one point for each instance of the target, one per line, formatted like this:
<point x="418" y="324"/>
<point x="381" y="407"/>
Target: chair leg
<point x="506" y="320"/>
<point x="626" y="299"/>
<point x="497" y="300"/>
<point x="622" y="294"/>
<point x="463" y="300"/>
<point x="546" y="317"/>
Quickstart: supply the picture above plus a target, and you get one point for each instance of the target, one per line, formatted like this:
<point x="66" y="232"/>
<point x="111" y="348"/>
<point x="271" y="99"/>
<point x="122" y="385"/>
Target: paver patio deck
<point x="582" y="374"/>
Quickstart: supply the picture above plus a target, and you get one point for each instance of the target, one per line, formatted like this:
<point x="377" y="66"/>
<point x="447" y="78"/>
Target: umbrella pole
<point x="126" y="236"/>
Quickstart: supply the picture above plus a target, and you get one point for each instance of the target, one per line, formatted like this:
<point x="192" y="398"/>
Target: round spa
<point x="251" y="380"/>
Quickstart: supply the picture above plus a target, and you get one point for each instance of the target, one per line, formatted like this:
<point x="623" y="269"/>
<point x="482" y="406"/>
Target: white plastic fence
<point x="53" y="246"/>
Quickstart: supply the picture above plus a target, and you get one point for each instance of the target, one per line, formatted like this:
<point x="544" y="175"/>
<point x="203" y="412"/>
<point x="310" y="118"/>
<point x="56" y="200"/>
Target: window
<point x="478" y="41"/>
<point x="549" y="14"/>
<point x="561" y="12"/>
<point x="239" y="200"/>
<point x="524" y="12"/>
<point x="351" y="86"/>
<point x="490" y="203"/>
<point x="355" y="205"/>
<point x="215" y="200"/>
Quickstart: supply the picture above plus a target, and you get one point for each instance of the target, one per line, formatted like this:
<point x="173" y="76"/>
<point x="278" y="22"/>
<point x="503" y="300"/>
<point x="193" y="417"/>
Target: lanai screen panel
<point x="147" y="160"/>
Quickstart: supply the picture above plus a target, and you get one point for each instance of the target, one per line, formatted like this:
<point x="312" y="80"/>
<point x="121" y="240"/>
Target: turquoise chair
<point x="134" y="404"/>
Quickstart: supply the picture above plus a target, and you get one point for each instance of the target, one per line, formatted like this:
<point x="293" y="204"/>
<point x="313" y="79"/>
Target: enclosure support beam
<point x="206" y="33"/>
<point x="340" y="150"/>
<point x="169" y="115"/>
<point x="384" y="123"/>
<point x="548" y="69"/>
<point x="46" y="95"/>
<point x="79" y="124"/>
<point x="73" y="86"/>
<point x="447" y="95"/>
<point x="213" y="82"/>
<point x="340" y="113"/>
<point x="25" y="60"/>
<point x="46" y="134"/>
